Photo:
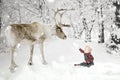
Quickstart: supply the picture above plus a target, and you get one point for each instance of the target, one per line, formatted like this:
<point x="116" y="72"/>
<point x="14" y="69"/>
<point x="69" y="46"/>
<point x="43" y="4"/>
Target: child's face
<point x="87" y="49"/>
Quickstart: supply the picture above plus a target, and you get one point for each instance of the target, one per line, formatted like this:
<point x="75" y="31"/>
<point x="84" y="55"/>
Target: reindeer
<point x="34" y="33"/>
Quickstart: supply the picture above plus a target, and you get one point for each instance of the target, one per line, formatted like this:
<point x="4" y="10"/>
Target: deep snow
<point x="61" y="56"/>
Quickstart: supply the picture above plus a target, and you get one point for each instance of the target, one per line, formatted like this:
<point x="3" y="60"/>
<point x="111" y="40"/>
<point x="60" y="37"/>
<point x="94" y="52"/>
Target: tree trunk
<point x="101" y="27"/>
<point x="87" y="36"/>
<point x="102" y="33"/>
<point x="0" y="16"/>
<point x="117" y="13"/>
<point x="0" y="25"/>
<point x="87" y="31"/>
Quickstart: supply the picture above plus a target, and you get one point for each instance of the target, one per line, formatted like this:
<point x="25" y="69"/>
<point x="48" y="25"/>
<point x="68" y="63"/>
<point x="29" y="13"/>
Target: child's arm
<point x="82" y="51"/>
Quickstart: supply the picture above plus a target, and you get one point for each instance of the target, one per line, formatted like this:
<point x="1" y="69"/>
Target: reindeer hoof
<point x="12" y="68"/>
<point x="30" y="63"/>
<point x="15" y="65"/>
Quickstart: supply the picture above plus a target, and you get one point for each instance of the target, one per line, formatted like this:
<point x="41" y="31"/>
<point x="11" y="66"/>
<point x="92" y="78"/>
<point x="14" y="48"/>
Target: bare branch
<point x="92" y="25"/>
<point x="31" y="10"/>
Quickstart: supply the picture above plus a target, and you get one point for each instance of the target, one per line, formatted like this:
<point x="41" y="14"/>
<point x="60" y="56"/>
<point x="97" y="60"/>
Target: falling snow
<point x="100" y="30"/>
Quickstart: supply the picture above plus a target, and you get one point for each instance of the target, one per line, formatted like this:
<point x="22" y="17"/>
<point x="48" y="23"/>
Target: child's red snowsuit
<point x="88" y="57"/>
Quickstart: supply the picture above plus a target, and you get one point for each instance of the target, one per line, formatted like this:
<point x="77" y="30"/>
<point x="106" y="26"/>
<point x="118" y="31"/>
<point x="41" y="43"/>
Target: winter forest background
<point x="92" y="21"/>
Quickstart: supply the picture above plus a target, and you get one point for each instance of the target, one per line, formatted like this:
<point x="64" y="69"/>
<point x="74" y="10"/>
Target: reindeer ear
<point x="65" y="25"/>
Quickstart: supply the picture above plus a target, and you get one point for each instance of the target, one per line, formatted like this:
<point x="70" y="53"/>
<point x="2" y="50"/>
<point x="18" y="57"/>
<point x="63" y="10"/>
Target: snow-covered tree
<point x="87" y="30"/>
<point x="0" y="15"/>
<point x="10" y="12"/>
<point x="117" y="13"/>
<point x="99" y="14"/>
<point x="24" y="11"/>
<point x="113" y="44"/>
<point x="34" y="10"/>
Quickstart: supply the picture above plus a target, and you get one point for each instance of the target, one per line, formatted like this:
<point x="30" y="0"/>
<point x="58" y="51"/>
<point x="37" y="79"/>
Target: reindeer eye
<point x="59" y="30"/>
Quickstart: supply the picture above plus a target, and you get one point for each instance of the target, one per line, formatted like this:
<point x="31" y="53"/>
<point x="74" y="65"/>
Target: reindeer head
<point x="58" y="26"/>
<point x="59" y="32"/>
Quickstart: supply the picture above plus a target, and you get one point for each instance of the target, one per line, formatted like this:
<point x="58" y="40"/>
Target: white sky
<point x="51" y="1"/>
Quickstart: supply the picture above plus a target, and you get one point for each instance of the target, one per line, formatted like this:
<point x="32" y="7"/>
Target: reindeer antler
<point x="61" y="12"/>
<point x="55" y="15"/>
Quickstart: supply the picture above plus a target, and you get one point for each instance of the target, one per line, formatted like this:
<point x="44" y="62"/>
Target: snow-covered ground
<point x="61" y="56"/>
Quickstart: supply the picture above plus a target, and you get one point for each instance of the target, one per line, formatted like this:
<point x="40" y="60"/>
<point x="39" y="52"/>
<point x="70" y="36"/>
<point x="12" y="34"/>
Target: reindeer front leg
<point x="13" y="64"/>
<point x="42" y="53"/>
<point x="30" y="62"/>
